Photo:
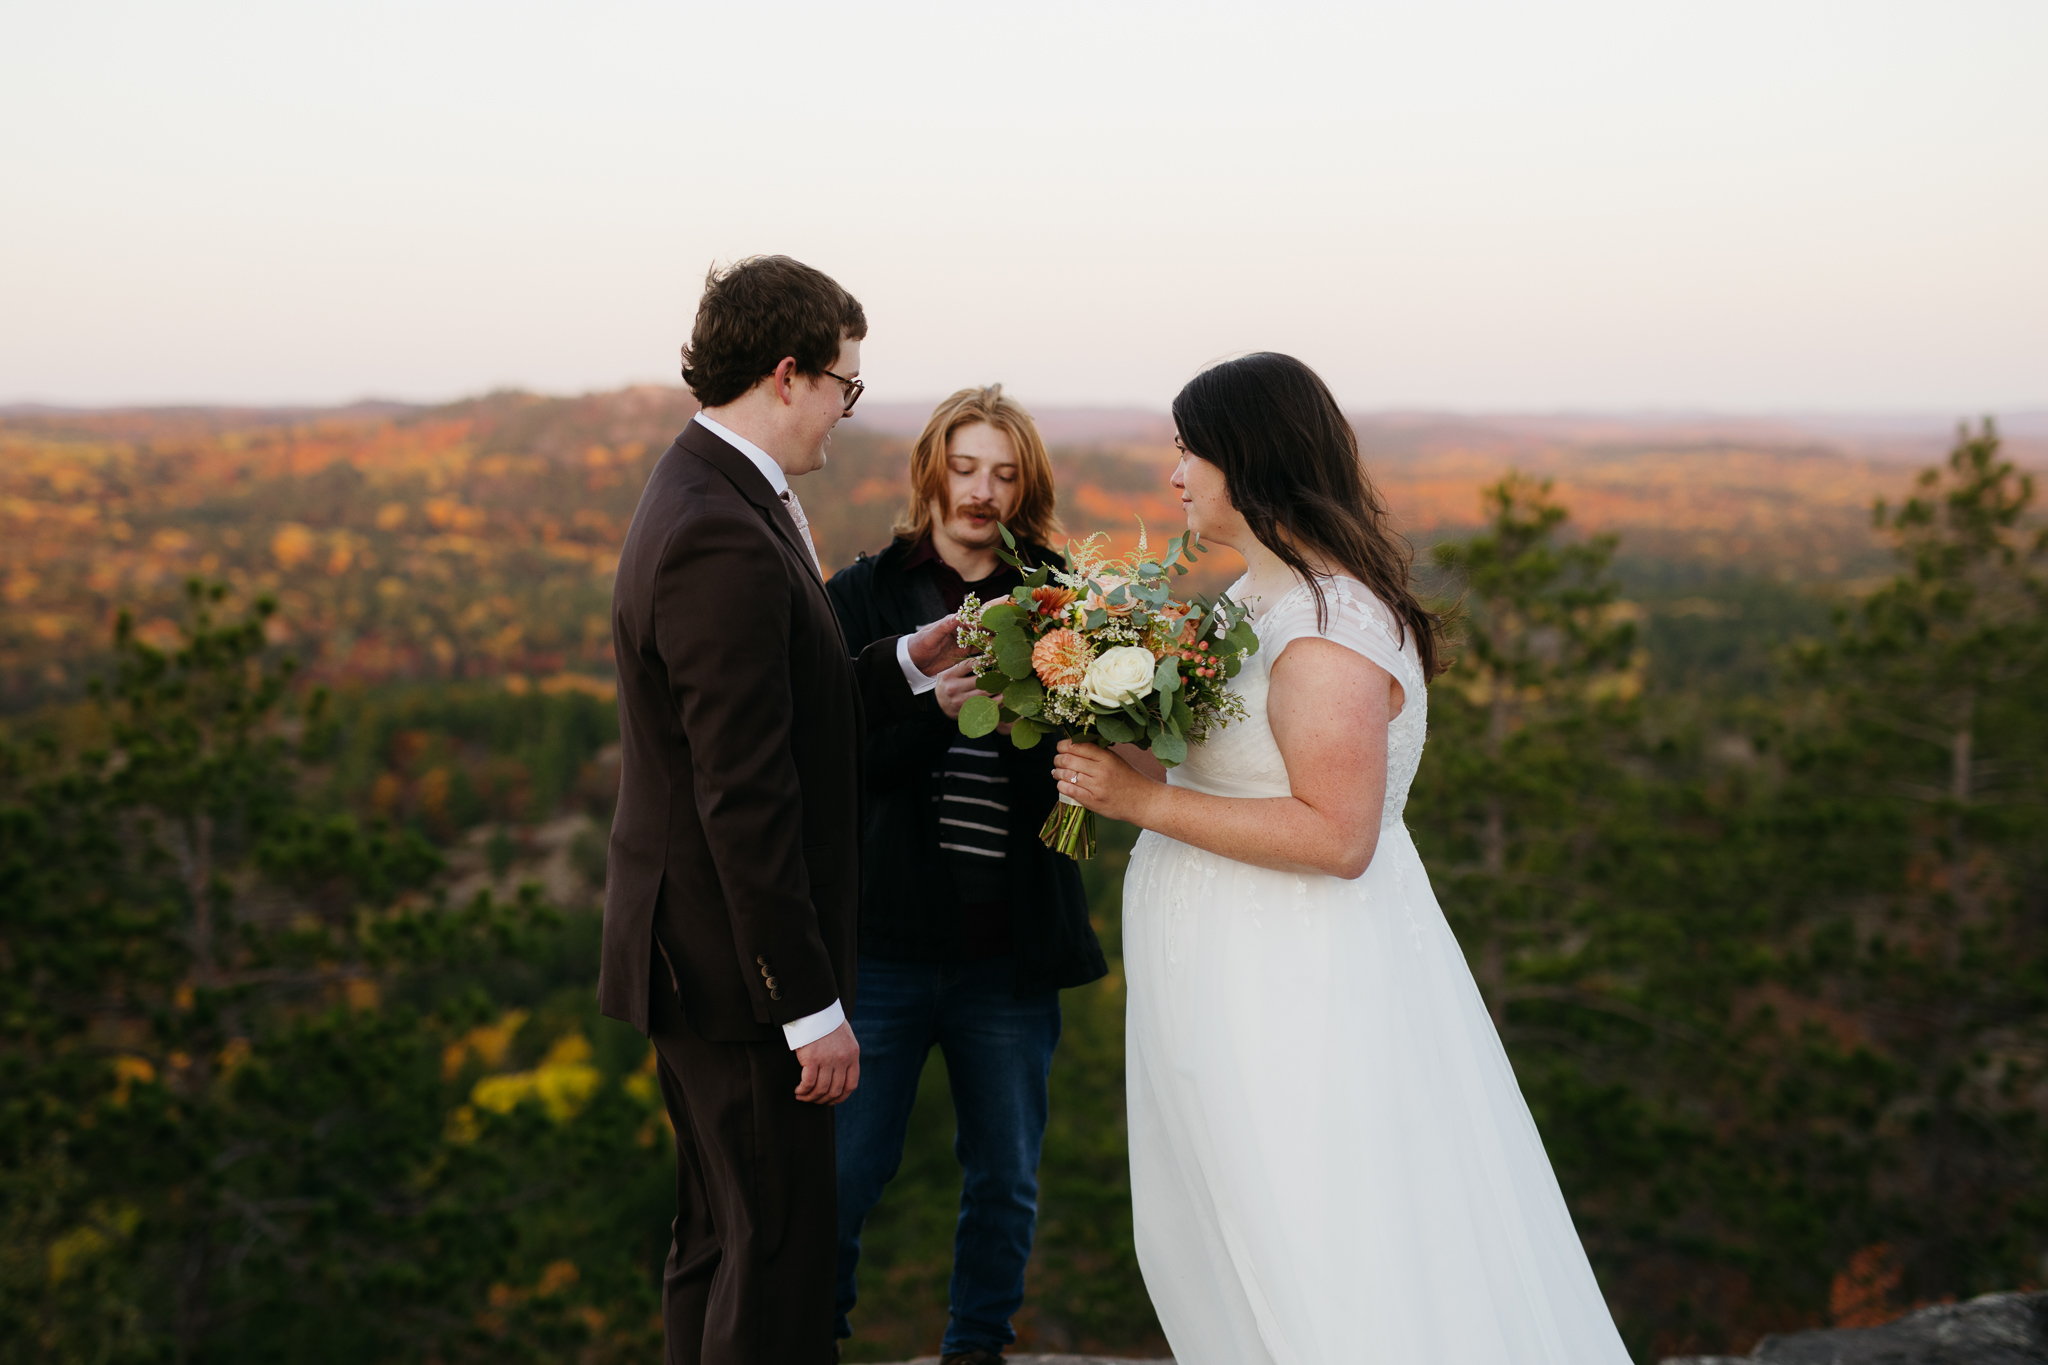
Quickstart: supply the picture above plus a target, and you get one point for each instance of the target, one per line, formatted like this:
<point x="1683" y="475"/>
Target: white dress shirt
<point x="812" y="1027"/>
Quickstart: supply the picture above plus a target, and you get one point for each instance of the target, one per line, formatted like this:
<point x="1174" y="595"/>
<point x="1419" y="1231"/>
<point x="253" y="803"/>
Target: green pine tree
<point x="1926" y="768"/>
<point x="232" y="1069"/>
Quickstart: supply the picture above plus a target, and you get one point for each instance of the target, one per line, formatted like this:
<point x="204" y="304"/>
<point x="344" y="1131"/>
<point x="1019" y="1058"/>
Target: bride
<point x="1330" y="1158"/>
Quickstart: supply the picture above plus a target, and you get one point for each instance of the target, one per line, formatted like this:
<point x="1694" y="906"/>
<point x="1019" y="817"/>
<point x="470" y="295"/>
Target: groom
<point x="729" y="919"/>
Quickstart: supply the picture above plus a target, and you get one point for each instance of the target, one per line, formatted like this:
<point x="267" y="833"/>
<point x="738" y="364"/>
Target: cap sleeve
<point x="1356" y="619"/>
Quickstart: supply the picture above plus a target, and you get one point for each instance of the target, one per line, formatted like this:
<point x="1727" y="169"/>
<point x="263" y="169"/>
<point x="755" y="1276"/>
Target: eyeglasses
<point x="850" y="391"/>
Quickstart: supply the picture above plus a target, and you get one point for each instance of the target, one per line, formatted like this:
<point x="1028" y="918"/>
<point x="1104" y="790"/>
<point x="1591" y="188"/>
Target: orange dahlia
<point x="1061" y="658"/>
<point x="1052" y="600"/>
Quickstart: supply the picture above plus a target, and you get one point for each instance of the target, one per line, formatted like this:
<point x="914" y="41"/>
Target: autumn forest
<point x="1735" y="798"/>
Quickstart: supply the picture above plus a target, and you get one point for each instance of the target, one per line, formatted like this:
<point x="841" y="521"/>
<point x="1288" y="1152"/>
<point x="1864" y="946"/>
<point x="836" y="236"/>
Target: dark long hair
<point x="1291" y="463"/>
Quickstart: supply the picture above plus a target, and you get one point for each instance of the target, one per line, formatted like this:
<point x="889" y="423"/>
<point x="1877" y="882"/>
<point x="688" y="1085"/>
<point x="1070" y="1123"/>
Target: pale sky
<point x="1728" y="206"/>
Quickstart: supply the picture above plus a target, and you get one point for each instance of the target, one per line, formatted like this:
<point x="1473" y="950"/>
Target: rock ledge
<point x="1997" y="1329"/>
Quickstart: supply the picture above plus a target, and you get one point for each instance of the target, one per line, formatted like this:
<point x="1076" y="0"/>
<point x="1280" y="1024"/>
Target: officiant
<point x="969" y="926"/>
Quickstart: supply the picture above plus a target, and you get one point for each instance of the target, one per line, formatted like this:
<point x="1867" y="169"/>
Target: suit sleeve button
<point x="771" y="983"/>
<point x="775" y="995"/>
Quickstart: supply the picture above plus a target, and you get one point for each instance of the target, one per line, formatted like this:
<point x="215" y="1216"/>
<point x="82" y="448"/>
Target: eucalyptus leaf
<point x="1037" y="577"/>
<point x="1097" y="619"/>
<point x="1013" y="654"/>
<point x="1008" y="539"/>
<point x="979" y="716"/>
<point x="1116" y="729"/>
<point x="1169" y="748"/>
<point x="999" y="611"/>
<point x="1167" y="677"/>
<point x="1025" y="734"/>
<point x="1025" y="696"/>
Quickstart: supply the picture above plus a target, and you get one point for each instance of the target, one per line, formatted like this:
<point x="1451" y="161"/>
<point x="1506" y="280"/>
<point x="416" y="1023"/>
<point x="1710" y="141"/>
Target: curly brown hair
<point x="759" y="311"/>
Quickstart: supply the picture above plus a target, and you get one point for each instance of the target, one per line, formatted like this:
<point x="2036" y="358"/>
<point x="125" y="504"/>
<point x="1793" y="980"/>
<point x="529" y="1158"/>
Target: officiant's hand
<point x="936" y="648"/>
<point x="1100" y="780"/>
<point x="831" y="1067"/>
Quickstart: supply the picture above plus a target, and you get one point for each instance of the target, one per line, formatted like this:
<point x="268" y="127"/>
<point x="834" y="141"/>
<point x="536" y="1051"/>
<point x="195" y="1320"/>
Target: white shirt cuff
<point x="920" y="682"/>
<point x="812" y="1027"/>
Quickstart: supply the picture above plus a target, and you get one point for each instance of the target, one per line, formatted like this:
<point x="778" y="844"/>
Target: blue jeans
<point x="998" y="1053"/>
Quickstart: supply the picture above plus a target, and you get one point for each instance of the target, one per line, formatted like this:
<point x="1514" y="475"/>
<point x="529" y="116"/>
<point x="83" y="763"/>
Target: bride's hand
<point x="1100" y="780"/>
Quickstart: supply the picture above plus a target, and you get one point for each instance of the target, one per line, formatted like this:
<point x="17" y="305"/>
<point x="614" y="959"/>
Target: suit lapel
<point x="708" y="447"/>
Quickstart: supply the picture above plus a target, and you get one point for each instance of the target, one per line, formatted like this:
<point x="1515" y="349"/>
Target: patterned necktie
<point x="803" y="527"/>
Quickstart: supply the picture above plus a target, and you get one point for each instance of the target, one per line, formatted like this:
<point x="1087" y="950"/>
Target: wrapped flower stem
<point x="1070" y="829"/>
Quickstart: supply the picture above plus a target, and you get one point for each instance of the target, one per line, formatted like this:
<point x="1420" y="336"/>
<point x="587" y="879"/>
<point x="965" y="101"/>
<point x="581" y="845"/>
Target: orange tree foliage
<point x="476" y="540"/>
<point x="471" y="542"/>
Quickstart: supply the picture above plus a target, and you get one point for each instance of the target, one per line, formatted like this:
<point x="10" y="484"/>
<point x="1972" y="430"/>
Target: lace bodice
<point x="1243" y="760"/>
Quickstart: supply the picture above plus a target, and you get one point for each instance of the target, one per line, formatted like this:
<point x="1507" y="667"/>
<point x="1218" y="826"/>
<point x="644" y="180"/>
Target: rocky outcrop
<point x="1997" y="1329"/>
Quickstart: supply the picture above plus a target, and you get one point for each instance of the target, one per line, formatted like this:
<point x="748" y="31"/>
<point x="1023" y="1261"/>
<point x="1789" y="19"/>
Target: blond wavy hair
<point x="1036" y="519"/>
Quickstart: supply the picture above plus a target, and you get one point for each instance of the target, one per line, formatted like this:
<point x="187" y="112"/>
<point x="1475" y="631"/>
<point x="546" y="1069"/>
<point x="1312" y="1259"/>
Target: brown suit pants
<point x="749" y="1274"/>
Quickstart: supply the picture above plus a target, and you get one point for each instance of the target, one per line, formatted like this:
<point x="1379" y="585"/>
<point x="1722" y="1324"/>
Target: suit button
<point x="763" y="961"/>
<point x="771" y="983"/>
<point x="775" y="995"/>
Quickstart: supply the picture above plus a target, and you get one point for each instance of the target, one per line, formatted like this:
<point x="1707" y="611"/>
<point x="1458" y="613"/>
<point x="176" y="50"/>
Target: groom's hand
<point x="831" y="1067"/>
<point x="936" y="648"/>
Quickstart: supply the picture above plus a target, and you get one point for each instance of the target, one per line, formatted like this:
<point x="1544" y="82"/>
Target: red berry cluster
<point x="1205" y="665"/>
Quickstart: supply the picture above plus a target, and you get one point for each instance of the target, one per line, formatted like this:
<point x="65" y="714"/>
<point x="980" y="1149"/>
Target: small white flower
<point x="1120" y="675"/>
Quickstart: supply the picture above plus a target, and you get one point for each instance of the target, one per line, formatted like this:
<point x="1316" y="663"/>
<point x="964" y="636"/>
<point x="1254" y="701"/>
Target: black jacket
<point x="908" y="909"/>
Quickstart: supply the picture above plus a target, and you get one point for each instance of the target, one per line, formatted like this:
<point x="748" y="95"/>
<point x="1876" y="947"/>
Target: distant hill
<point x="477" y="539"/>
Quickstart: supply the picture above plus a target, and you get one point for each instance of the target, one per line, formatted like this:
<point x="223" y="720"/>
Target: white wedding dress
<point x="1330" y="1158"/>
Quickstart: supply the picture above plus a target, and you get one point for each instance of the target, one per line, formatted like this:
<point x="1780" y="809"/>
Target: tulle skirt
<point x="1330" y="1158"/>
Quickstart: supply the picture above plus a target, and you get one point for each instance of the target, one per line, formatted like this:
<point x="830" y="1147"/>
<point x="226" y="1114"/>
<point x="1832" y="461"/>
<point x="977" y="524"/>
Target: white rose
<point x="1119" y="675"/>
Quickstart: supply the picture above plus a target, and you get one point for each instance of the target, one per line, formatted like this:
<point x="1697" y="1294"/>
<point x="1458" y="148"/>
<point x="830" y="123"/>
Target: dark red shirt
<point x="952" y="587"/>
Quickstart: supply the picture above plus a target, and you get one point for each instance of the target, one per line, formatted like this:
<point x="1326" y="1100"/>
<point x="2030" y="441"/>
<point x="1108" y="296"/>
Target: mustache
<point x="986" y="509"/>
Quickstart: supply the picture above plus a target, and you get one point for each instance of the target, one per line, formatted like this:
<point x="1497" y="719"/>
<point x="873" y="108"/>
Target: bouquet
<point x="1102" y="652"/>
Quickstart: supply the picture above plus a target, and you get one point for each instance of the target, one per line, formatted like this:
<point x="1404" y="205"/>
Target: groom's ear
<point x="783" y="378"/>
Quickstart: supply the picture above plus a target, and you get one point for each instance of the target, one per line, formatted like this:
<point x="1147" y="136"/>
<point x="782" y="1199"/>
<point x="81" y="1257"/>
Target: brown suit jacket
<point x="736" y="843"/>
